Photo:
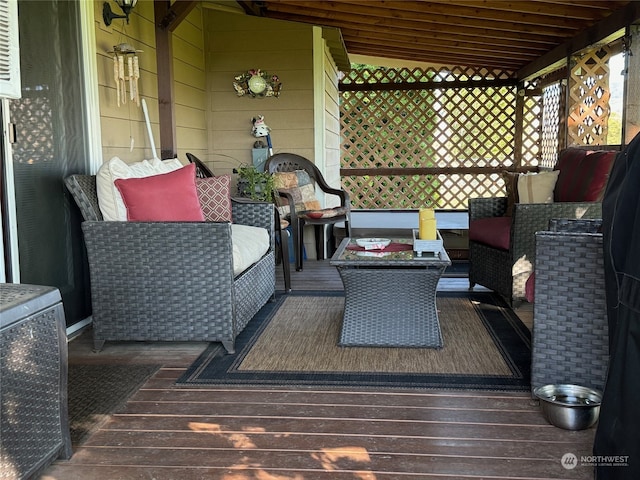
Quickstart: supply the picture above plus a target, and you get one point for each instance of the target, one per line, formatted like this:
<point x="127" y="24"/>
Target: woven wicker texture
<point x="84" y="191"/>
<point x="570" y="339"/>
<point x="390" y="300"/>
<point x="390" y="308"/>
<point x="33" y="387"/>
<point x="173" y="281"/>
<point x="506" y="272"/>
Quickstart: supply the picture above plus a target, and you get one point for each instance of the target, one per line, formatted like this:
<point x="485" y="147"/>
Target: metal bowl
<point x="571" y="407"/>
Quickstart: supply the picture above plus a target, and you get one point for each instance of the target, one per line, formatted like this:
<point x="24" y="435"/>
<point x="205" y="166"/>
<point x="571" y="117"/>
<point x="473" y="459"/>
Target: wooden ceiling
<point x="503" y="34"/>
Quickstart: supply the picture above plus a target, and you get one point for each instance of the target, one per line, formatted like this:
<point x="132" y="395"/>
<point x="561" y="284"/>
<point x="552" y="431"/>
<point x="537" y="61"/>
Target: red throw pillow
<point x="168" y="197"/>
<point x="215" y="197"/>
<point x="583" y="178"/>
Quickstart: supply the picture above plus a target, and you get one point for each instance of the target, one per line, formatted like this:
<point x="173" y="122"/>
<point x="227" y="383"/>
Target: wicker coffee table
<point x="390" y="297"/>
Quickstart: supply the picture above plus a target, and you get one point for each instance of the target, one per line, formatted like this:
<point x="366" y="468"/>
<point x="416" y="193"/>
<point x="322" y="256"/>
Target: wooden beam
<point x="166" y="104"/>
<point x="600" y="31"/>
<point x="176" y="13"/>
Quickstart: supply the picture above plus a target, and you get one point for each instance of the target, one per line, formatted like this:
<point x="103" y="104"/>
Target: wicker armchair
<point x="570" y="335"/>
<point x="506" y="271"/>
<point x="171" y="281"/>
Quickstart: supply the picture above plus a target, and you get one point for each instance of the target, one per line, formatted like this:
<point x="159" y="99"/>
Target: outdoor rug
<point x="293" y="342"/>
<point x="97" y="391"/>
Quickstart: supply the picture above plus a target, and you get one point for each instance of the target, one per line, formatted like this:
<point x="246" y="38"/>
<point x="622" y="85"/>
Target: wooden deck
<point x="300" y="434"/>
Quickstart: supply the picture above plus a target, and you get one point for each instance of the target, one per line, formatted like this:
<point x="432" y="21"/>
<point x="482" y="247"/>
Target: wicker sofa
<point x="570" y="335"/>
<point x="171" y="281"/>
<point x="505" y="269"/>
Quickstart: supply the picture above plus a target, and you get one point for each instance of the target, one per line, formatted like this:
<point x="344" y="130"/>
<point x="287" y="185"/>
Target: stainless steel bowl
<point x="571" y="407"/>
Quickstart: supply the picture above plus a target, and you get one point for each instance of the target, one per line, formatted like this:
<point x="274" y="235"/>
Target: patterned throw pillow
<point x="214" y="194"/>
<point x="297" y="184"/>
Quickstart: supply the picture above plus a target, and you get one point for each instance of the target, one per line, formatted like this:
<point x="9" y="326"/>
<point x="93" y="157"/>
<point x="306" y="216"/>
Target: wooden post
<point x="632" y="106"/>
<point x="166" y="104"/>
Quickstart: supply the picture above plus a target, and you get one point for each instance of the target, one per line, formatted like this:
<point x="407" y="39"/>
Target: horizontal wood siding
<point x="235" y="44"/>
<point x="120" y="124"/>
<point x="331" y="112"/>
<point x="189" y="73"/>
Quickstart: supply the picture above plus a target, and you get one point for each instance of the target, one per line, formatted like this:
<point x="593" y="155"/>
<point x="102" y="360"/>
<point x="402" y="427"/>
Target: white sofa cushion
<point x="109" y="198"/>
<point x="249" y="246"/>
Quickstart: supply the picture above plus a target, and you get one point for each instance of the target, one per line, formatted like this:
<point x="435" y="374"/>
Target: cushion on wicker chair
<point x="249" y="245"/>
<point x="537" y="187"/>
<point x="297" y="184"/>
<point x="214" y="194"/>
<point x="324" y="213"/>
<point x="492" y="231"/>
<point x="109" y="198"/>
<point x="167" y="197"/>
<point x="583" y="175"/>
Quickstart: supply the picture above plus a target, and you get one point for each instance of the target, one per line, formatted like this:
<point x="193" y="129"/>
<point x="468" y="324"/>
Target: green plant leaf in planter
<point x="254" y="184"/>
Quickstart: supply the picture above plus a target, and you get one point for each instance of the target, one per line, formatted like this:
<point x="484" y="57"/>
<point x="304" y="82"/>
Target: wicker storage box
<point x="570" y="343"/>
<point x="34" y="427"/>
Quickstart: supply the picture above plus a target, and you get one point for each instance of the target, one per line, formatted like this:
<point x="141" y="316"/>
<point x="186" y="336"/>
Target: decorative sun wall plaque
<point x="257" y="83"/>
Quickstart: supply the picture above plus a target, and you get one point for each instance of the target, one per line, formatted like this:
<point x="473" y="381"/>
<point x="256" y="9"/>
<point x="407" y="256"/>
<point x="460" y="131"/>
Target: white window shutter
<point x="10" y="86"/>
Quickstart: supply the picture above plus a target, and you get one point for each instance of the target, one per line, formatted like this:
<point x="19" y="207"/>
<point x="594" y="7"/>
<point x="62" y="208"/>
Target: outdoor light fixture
<point x="125" y="5"/>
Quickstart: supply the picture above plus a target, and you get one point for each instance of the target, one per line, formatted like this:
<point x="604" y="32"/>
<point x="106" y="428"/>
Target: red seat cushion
<point x="324" y="213"/>
<point x="492" y="231"/>
<point x="583" y="175"/>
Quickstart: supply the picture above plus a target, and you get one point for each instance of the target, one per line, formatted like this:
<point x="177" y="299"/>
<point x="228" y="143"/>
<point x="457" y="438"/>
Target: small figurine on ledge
<point x="260" y="129"/>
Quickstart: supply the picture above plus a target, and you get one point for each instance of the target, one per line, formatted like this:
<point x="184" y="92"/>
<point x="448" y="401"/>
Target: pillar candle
<point x="427" y="224"/>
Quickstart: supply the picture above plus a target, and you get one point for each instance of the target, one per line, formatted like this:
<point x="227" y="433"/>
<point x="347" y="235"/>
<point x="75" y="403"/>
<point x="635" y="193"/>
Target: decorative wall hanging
<point x="257" y="83"/>
<point x="125" y="69"/>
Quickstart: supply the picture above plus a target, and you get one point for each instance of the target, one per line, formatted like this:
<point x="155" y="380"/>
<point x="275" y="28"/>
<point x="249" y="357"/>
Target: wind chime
<point x="126" y="70"/>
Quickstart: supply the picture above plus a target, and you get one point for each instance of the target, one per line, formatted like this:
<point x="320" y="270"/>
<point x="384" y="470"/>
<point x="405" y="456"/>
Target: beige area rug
<point x="294" y="342"/>
<point x="298" y="341"/>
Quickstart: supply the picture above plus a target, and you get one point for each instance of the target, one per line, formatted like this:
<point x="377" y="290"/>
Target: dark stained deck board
<point x="519" y="432"/>
<point x="417" y="442"/>
<point x="242" y="433"/>
<point x="350" y="458"/>
<point x="257" y="472"/>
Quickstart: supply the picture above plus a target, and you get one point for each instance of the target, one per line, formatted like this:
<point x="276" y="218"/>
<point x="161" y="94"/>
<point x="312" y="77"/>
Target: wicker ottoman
<point x="34" y="426"/>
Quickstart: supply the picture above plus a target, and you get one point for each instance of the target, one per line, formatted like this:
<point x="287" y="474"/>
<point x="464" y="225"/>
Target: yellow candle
<point x="427" y="224"/>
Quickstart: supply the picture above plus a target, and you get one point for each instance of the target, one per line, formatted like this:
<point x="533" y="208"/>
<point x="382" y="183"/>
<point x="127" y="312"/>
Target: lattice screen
<point x="532" y="110"/>
<point x="441" y="135"/>
<point x="552" y="98"/>
<point x="457" y="122"/>
<point x="589" y="97"/>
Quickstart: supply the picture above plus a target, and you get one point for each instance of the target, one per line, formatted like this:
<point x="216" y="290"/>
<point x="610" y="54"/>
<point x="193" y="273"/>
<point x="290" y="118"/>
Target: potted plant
<point x="254" y="184"/>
